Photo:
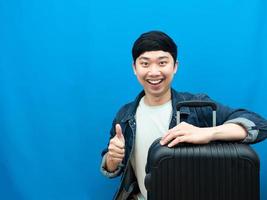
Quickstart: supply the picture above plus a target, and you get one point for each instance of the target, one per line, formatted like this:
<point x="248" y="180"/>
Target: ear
<point x="134" y="67"/>
<point x="175" y="67"/>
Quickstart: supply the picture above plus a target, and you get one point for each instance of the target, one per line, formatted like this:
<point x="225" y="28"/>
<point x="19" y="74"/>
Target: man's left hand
<point x="188" y="133"/>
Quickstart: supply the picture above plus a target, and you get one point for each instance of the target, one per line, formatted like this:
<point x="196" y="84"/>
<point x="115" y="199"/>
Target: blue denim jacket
<point x="255" y="125"/>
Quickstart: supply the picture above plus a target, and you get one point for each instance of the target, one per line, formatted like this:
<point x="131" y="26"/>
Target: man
<point x="152" y="115"/>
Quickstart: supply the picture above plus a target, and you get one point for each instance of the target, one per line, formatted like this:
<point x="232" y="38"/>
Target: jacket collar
<point x="175" y="96"/>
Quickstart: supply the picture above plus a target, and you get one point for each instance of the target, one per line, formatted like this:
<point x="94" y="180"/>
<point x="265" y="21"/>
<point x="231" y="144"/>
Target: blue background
<point x="65" y="70"/>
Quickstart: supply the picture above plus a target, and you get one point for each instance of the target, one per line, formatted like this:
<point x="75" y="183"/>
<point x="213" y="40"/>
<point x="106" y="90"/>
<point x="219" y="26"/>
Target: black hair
<point x="153" y="41"/>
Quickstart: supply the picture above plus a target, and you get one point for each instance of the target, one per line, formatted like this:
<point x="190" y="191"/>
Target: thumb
<point x="119" y="132"/>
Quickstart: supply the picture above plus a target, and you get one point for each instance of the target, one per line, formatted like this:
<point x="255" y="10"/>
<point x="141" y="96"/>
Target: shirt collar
<point x="175" y="96"/>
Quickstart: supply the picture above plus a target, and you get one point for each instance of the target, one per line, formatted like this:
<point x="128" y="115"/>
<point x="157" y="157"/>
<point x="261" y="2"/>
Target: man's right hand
<point x="116" y="150"/>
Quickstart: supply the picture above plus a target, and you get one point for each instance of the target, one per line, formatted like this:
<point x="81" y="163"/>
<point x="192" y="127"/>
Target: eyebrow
<point x="160" y="58"/>
<point x="144" y="58"/>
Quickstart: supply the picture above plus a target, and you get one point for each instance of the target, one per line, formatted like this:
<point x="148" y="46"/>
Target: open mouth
<point x="154" y="81"/>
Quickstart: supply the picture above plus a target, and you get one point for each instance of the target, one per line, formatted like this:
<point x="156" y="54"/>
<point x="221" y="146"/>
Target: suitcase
<point x="214" y="171"/>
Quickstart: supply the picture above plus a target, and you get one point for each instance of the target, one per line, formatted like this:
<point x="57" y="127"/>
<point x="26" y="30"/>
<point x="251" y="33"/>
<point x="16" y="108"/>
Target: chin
<point x="157" y="93"/>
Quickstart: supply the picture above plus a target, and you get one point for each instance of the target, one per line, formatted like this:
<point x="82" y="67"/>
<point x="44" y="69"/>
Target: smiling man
<point x="152" y="115"/>
<point x="155" y="70"/>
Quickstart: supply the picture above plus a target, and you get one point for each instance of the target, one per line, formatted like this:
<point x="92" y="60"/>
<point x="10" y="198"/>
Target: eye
<point x="144" y="64"/>
<point x="163" y="63"/>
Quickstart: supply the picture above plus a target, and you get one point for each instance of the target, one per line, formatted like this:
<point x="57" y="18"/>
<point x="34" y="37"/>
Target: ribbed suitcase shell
<point x="215" y="171"/>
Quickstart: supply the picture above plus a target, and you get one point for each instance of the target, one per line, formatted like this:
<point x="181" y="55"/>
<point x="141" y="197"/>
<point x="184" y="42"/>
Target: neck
<point x="157" y="100"/>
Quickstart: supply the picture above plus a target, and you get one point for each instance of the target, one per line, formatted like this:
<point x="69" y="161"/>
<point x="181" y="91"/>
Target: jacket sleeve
<point x="253" y="123"/>
<point x="249" y="126"/>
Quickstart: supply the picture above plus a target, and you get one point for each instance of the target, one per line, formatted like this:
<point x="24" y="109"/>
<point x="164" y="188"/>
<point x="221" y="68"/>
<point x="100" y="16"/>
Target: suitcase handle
<point x="197" y="104"/>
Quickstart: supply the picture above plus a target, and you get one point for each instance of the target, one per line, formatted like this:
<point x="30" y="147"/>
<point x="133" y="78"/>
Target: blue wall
<point x="65" y="69"/>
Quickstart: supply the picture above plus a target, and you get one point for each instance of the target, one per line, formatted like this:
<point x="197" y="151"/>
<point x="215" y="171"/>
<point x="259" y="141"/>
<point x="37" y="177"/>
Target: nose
<point x="154" y="70"/>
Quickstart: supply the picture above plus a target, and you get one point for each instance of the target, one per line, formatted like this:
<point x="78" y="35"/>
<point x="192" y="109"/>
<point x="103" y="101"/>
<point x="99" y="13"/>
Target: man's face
<point x="155" y="70"/>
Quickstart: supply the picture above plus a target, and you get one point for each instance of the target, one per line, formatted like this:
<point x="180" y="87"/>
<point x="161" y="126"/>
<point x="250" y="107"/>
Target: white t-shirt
<point x="151" y="123"/>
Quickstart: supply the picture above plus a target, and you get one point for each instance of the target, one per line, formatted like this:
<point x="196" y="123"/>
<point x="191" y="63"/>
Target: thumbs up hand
<point x="116" y="150"/>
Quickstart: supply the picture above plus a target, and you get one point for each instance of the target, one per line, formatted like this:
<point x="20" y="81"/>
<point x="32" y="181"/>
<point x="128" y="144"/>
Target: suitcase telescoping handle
<point x="197" y="104"/>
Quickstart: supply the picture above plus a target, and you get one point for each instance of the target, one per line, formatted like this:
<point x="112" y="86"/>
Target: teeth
<point x="154" y="81"/>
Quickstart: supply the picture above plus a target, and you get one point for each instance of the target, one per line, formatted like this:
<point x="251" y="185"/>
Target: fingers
<point x="177" y="141"/>
<point x="171" y="135"/>
<point x="113" y="160"/>
<point x="119" y="134"/>
<point x="116" y="150"/>
<point x="115" y="155"/>
<point x="176" y="130"/>
<point x="115" y="141"/>
<point x="118" y="130"/>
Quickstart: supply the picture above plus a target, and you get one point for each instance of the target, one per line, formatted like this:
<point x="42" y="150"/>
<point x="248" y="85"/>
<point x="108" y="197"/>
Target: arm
<point x="232" y="125"/>
<point x="254" y="124"/>
<point x="185" y="132"/>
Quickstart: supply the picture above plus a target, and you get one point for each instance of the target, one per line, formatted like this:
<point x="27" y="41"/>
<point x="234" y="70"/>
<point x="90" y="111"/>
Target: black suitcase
<point x="215" y="171"/>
